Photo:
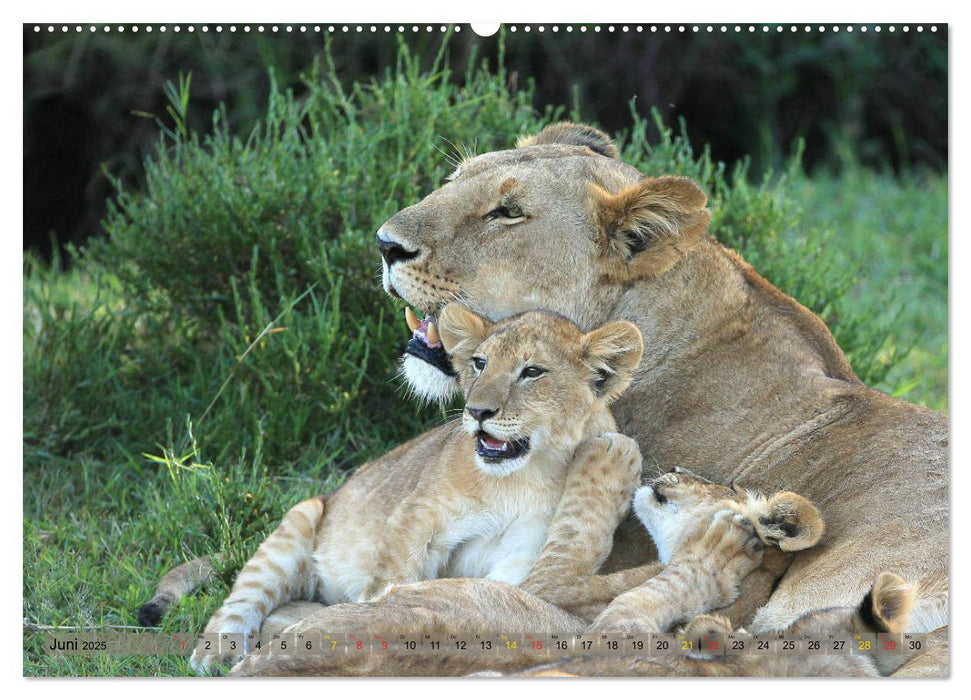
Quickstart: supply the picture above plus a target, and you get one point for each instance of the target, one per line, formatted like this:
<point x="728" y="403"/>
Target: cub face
<point x="672" y="505"/>
<point x="534" y="382"/>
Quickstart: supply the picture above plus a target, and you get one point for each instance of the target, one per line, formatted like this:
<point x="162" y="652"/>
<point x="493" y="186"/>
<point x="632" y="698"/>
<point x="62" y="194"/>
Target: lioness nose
<point x="392" y="251"/>
<point x="481" y="414"/>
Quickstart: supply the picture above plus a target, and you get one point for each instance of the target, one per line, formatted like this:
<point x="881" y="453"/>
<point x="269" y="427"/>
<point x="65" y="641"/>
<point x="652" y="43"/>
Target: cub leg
<point x="605" y="472"/>
<point x="703" y="576"/>
<point x="440" y="606"/>
<point x="281" y="570"/>
<point x="412" y="550"/>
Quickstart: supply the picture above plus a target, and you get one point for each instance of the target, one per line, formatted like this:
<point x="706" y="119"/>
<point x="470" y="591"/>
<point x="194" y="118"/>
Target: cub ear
<point x="462" y="330"/>
<point x="790" y="522"/>
<point x="886" y="608"/>
<point x="613" y="352"/>
<point x="572" y="134"/>
<point x="644" y="230"/>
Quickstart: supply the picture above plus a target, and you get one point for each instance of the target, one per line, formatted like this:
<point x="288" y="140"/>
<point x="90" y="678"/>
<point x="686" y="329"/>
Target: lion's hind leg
<point x="282" y="570"/>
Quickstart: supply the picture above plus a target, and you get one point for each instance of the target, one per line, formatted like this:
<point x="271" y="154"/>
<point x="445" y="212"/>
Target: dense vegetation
<point x="226" y="349"/>
<point x="879" y="95"/>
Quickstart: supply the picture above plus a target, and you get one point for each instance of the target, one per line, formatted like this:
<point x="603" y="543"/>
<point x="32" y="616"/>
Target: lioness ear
<point x="461" y="330"/>
<point x="572" y="135"/>
<point x="886" y="608"/>
<point x="790" y="522"/>
<point x="613" y="352"/>
<point x="645" y="229"/>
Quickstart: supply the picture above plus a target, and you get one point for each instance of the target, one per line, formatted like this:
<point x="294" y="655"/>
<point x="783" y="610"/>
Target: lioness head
<point x="533" y="382"/>
<point x="556" y="223"/>
<point x="671" y="505"/>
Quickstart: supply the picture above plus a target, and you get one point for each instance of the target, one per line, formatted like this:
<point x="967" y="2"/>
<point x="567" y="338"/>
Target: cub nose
<point x="481" y="414"/>
<point x="393" y="251"/>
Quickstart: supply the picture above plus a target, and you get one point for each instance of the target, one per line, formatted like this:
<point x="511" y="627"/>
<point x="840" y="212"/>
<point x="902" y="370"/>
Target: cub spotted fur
<point x="476" y="500"/>
<point x="713" y="538"/>
<point x="670" y="507"/>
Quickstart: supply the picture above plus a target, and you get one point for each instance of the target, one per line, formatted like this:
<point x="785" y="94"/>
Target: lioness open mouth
<point x="492" y="449"/>
<point x="425" y="343"/>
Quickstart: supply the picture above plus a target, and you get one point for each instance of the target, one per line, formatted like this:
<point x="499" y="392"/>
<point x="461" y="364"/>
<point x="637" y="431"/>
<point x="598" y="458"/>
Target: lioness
<point x="477" y="501"/>
<point x="736" y="376"/>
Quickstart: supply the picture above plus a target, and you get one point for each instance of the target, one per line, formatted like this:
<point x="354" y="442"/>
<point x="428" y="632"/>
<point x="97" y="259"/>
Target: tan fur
<point x="719" y="551"/>
<point x="435" y="508"/>
<point x="887" y="594"/>
<point x="487" y="605"/>
<point x="736" y="376"/>
<point x="671" y="507"/>
<point x="177" y="582"/>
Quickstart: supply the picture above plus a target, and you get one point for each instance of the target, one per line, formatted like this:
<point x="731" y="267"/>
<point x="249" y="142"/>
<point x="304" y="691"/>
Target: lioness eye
<point x="478" y="363"/>
<point x="531" y="372"/>
<point x="513" y="211"/>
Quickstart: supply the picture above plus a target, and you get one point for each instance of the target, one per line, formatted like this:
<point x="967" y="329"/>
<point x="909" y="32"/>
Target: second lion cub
<point x="479" y="502"/>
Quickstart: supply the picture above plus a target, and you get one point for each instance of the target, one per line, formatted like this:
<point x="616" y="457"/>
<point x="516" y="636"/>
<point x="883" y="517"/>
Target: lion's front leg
<point x="459" y="606"/>
<point x="605" y="471"/>
<point x="412" y="549"/>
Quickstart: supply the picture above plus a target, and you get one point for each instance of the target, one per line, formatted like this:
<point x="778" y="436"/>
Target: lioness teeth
<point x="413" y="323"/>
<point x="425" y="329"/>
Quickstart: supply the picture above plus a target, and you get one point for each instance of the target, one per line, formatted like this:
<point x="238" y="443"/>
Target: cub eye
<point x="513" y="211"/>
<point x="531" y="372"/>
<point x="478" y="363"/>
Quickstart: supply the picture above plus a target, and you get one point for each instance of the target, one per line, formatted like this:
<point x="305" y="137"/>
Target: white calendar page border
<point x="438" y="12"/>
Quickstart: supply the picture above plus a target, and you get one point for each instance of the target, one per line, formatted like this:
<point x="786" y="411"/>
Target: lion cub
<point x="672" y="507"/>
<point x="478" y="502"/>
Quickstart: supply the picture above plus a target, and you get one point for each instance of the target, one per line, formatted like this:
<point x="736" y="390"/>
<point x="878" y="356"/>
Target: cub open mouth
<point x="425" y="343"/>
<point x="492" y="449"/>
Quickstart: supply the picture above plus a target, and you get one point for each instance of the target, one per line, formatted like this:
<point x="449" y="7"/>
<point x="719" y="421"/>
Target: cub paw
<point x="729" y="544"/>
<point x="221" y="652"/>
<point x="212" y="663"/>
<point x="611" y="451"/>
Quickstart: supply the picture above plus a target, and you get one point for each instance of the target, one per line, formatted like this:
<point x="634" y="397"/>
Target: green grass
<point x="895" y="231"/>
<point x="227" y="351"/>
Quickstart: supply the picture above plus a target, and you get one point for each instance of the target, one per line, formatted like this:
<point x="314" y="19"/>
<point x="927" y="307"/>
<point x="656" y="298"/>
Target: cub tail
<point x="177" y="582"/>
